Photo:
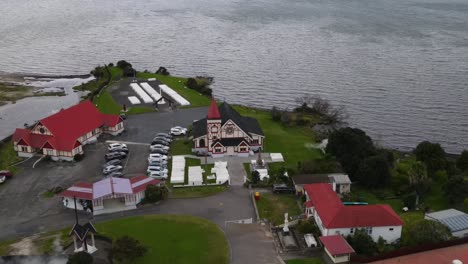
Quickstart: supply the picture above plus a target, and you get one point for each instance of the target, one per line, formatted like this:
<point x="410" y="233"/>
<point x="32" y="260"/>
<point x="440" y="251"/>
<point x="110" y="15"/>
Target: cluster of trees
<point x="155" y="193"/>
<point x="359" y="158"/>
<point x="201" y="85"/>
<point x="126" y="249"/>
<point x="276" y="176"/>
<point x="127" y="68"/>
<point x="325" y="164"/>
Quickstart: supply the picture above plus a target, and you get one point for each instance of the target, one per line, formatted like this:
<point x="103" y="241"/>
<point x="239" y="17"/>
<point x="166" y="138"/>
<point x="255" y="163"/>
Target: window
<point x="391" y="229"/>
<point x="215" y="137"/>
<point x="24" y="149"/>
<point x="255" y="141"/>
<point x="218" y="150"/>
<point x="351" y="231"/>
<point x="201" y="143"/>
<point x="214" y="129"/>
<point x="369" y="230"/>
<point x="229" y="130"/>
<point x="50" y="152"/>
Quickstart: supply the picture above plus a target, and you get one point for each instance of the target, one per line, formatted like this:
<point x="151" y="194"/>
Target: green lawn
<point x="305" y="261"/>
<point x="290" y="141"/>
<point x="106" y="104"/>
<point x="273" y="206"/>
<point x="181" y="147"/>
<point x="197" y="192"/>
<point x="178" y="84"/>
<point x="8" y="156"/>
<point x="139" y="110"/>
<point x="172" y="239"/>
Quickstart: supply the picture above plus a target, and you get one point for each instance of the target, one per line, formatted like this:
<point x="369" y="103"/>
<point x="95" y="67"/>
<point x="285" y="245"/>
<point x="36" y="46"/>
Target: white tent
<point x="142" y="94"/>
<point x="195" y="175"/>
<point x="276" y="157"/>
<point x="263" y="174"/>
<point x="174" y="95"/>
<point x="220" y="169"/>
<point x="151" y="91"/>
<point x="178" y="169"/>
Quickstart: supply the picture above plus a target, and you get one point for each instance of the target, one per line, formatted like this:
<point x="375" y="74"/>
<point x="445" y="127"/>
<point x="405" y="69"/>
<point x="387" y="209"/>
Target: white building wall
<point x="382" y="231"/>
<point x="337" y="259"/>
<point x="461" y="234"/>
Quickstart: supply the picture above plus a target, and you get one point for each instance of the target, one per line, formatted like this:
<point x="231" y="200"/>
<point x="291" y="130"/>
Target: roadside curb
<point x="255" y="206"/>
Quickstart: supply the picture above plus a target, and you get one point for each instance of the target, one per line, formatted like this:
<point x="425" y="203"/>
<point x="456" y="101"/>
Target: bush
<point x="123" y="64"/>
<point x="431" y="154"/>
<point x="127" y="249"/>
<point x="307" y="226"/>
<point x="80" y="258"/>
<point x="255" y="177"/>
<point x="362" y="243"/>
<point x="425" y="232"/>
<point x="456" y="189"/>
<point x="201" y="87"/>
<point x="78" y="157"/>
<point x="155" y="193"/>
<point x="162" y="71"/>
<point x="465" y="205"/>
<point x="462" y="161"/>
<point x="275" y="114"/>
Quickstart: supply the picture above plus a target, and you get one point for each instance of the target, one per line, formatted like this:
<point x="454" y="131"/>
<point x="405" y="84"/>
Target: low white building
<point x="456" y="221"/>
<point x="334" y="218"/>
<point x="337" y="248"/>
<point x="108" y="195"/>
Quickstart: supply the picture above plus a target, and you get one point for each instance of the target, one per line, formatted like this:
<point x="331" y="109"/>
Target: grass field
<point x="181" y="147"/>
<point x="8" y="156"/>
<point x="178" y="84"/>
<point x="290" y="141"/>
<point x="172" y="239"/>
<point x="273" y="206"/>
<point x="197" y="192"/>
<point x="305" y="261"/>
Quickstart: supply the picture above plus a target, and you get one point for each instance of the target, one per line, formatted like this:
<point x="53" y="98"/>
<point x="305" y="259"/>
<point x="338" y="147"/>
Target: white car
<point x="157" y="156"/>
<point x="156" y="168"/>
<point x="157" y="175"/>
<point x="177" y="131"/>
<point x="2" y="179"/>
<point x="111" y="168"/>
<point x="113" y="146"/>
<point x="159" y="146"/>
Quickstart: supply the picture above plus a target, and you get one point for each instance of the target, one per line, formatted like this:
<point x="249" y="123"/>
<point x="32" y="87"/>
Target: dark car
<point x="114" y="162"/>
<point x="168" y="140"/>
<point x="160" y="151"/>
<point x="6" y="173"/>
<point x="119" y="150"/>
<point x="115" y="155"/>
<point x="165" y="135"/>
<point x="159" y="141"/>
<point x="201" y="153"/>
<point x="282" y="188"/>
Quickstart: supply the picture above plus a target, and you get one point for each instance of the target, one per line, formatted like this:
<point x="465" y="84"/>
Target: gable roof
<point x="336" y="245"/>
<point x="248" y="124"/>
<point x="213" y="112"/>
<point x="334" y="214"/>
<point x="67" y="126"/>
<point x="199" y="128"/>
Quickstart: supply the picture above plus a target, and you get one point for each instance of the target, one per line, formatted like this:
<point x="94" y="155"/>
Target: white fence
<point x="150" y="90"/>
<point x="174" y="95"/>
<point x="144" y="96"/>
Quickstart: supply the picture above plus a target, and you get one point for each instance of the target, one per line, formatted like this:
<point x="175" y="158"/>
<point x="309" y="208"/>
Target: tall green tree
<point x="425" y="232"/>
<point x="462" y="161"/>
<point x="350" y="146"/>
<point x="431" y="154"/>
<point x="456" y="189"/>
<point x="418" y="180"/>
<point x="374" y="171"/>
<point x="362" y="243"/>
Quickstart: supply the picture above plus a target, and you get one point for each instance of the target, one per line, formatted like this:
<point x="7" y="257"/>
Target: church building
<point x="225" y="132"/>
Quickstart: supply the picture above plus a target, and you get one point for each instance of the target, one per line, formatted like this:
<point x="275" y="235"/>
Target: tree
<point x="314" y="104"/>
<point x="374" y="171"/>
<point x="465" y="205"/>
<point x="126" y="249"/>
<point x="255" y="177"/>
<point x="275" y="114"/>
<point x="418" y="180"/>
<point x="425" y="232"/>
<point x="462" y="161"/>
<point x="155" y="193"/>
<point x="162" y="71"/>
<point x="431" y="154"/>
<point x="362" y="243"/>
<point x="81" y="257"/>
<point x="350" y="146"/>
<point x="456" y="189"/>
<point x="123" y="64"/>
<point x="192" y="83"/>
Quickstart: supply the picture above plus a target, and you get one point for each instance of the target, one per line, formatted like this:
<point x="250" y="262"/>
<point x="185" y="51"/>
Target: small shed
<point x="341" y="182"/>
<point x="456" y="221"/>
<point x="337" y="248"/>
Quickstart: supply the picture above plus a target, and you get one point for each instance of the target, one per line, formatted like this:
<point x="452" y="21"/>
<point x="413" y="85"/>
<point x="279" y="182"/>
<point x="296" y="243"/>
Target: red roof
<point x="67" y="126"/>
<point x="139" y="183"/>
<point x="336" y="245"/>
<point x="80" y="190"/>
<point x="334" y="214"/>
<point x="213" y="112"/>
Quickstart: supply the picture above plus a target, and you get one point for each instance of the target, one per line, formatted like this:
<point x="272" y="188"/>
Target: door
<point x="230" y="151"/>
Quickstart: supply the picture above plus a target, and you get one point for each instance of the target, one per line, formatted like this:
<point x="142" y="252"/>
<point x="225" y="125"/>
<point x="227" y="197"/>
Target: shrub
<point x="462" y="161"/>
<point x="127" y="249"/>
<point x="307" y="226"/>
<point x="155" y="193"/>
<point x="123" y="64"/>
<point x="81" y="257"/>
<point x="425" y="232"/>
<point x="275" y="114"/>
<point x="431" y="154"/>
<point x="255" y="177"/>
<point x="78" y="157"/>
<point x="162" y="71"/>
<point x="465" y="205"/>
<point x="362" y="243"/>
<point x="456" y="189"/>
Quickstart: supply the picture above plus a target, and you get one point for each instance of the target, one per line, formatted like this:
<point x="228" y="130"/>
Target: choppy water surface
<point x="399" y="66"/>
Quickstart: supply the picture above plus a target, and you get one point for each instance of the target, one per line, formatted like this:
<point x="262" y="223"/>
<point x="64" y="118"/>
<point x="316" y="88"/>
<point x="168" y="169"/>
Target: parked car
<point x="153" y="162"/>
<point x="168" y="140"/>
<point x="111" y="168"/>
<point x="115" y="174"/>
<point x="119" y="150"/>
<point x="282" y="188"/>
<point x="178" y="131"/>
<point x="159" y="146"/>
<point x="2" y="179"/>
<point x="201" y="153"/>
<point x="116" y="146"/>
<point x="156" y="168"/>
<point x="115" y="155"/>
<point x="166" y="135"/>
<point x="155" y="159"/>
<point x="114" y="162"/>
<point x="157" y="155"/>
<point x="160" y="142"/>
<point x="159" y="151"/>
<point x="6" y="173"/>
<point x="157" y="175"/>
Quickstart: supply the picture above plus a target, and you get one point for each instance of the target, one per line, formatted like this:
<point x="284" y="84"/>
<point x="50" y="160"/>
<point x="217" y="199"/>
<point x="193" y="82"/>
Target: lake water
<point x="400" y="67"/>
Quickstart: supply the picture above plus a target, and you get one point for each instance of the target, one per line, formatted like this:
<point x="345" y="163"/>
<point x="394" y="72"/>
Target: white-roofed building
<point x="195" y="175"/>
<point x="108" y="195"/>
<point x="456" y="221"/>
<point x="178" y="169"/>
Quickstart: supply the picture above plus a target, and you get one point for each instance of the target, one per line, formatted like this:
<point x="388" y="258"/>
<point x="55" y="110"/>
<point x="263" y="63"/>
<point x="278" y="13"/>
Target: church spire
<point x="213" y="112"/>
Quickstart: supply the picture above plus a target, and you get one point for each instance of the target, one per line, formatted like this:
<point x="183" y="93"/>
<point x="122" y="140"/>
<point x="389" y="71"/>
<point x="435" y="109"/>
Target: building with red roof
<point x="63" y="134"/>
<point x="225" y="132"/>
<point x="337" y="248"/>
<point x="334" y="218"/>
<point x="108" y="195"/>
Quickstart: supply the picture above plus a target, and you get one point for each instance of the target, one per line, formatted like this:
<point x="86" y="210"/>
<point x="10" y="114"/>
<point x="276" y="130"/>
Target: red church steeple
<point x="213" y="112"/>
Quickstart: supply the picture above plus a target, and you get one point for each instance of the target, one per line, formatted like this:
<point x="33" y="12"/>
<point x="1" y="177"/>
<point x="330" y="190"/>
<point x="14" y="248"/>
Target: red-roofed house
<point x="108" y="195"/>
<point x="62" y="135"/>
<point x="337" y="248"/>
<point x="334" y="218"/>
